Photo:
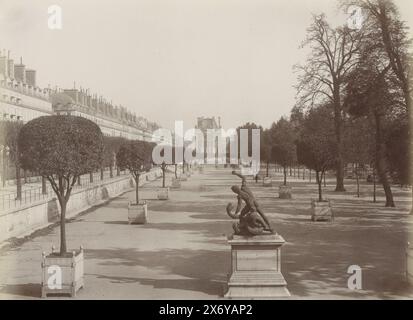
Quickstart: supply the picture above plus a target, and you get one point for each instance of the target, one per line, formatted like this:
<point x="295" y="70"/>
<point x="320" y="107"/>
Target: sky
<point x="172" y="60"/>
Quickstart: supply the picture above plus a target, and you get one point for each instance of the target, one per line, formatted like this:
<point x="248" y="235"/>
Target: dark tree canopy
<point x="283" y="141"/>
<point x="316" y="147"/>
<point x="135" y="156"/>
<point x="66" y="146"/>
<point x="61" y="148"/>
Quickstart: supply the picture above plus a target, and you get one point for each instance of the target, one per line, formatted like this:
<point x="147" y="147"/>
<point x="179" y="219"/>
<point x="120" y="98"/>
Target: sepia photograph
<point x="212" y="150"/>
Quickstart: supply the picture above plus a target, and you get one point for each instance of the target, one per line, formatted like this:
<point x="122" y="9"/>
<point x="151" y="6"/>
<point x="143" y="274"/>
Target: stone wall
<point x="26" y="219"/>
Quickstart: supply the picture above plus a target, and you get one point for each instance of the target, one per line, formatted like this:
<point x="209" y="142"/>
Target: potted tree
<point x="283" y="151"/>
<point x="111" y="147"/>
<point x="316" y="149"/>
<point x="136" y="156"/>
<point x="163" y="193"/>
<point x="176" y="180"/>
<point x="61" y="148"/>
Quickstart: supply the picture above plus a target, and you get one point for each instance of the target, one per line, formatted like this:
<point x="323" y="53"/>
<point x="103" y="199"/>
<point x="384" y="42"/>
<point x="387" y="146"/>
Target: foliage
<point x="61" y="148"/>
<point x="283" y="142"/>
<point x="135" y="156"/>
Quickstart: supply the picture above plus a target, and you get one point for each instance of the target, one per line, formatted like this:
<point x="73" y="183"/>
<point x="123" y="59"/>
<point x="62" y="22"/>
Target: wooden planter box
<point x="163" y="193"/>
<point x="138" y="213"/>
<point x="321" y="211"/>
<point x="62" y="275"/>
<point x="284" y="192"/>
<point x="267" y="182"/>
<point x="409" y="260"/>
<point x="256" y="267"/>
<point x="176" y="183"/>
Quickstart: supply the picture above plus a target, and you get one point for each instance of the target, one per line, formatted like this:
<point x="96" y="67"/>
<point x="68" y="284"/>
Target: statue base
<point x="256" y="267"/>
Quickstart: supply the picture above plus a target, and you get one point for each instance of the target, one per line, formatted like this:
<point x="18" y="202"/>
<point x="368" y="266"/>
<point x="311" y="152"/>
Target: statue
<point x="252" y="220"/>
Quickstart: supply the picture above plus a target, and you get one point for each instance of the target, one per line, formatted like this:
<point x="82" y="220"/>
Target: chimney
<point x="20" y="71"/>
<point x="4" y="65"/>
<point x="31" y="77"/>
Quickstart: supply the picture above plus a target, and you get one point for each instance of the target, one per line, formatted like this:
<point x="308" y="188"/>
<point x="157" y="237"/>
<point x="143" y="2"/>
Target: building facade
<point x="20" y="97"/>
<point x="115" y="121"/>
<point x="22" y="100"/>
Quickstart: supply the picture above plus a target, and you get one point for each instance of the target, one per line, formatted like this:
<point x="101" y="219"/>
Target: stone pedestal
<point x="256" y="267"/>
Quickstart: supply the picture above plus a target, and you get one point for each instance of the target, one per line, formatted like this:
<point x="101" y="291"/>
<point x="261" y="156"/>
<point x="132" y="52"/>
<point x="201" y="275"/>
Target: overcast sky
<point x="171" y="59"/>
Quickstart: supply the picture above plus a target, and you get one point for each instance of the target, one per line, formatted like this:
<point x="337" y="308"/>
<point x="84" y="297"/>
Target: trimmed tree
<point x="9" y="132"/>
<point x="284" y="148"/>
<point x="112" y="145"/>
<point x="135" y="156"/>
<point x="316" y="147"/>
<point x="61" y="148"/>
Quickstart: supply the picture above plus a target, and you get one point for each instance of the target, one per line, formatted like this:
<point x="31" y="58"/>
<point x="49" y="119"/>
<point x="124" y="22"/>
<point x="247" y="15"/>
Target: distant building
<point x="20" y="98"/>
<point x="114" y="121"/>
<point x="204" y="124"/>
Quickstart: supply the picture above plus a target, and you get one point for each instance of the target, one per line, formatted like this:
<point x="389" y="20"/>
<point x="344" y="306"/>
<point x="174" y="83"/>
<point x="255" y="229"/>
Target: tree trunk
<point x="285" y="175"/>
<point x="4" y="167"/>
<point x="176" y="171"/>
<point x="117" y="171"/>
<point x="25" y="176"/>
<point x="101" y="173"/>
<point x="338" y="125"/>
<point x="79" y="180"/>
<point x="291" y="171"/>
<point x="111" y="171"/>
<point x="18" y="182"/>
<point x="268" y="164"/>
<point x="319" y="182"/>
<point x="137" y="189"/>
<point x="309" y="175"/>
<point x="163" y="178"/>
<point x="63" y="248"/>
<point x="381" y="164"/>
<point x="44" y="189"/>
<point x="303" y="173"/>
<point x="91" y="177"/>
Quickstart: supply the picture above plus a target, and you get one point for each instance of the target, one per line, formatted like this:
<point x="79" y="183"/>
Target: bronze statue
<point x="252" y="220"/>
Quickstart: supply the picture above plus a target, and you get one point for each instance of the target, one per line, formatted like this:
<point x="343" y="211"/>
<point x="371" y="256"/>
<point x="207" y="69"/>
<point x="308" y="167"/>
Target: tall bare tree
<point x="322" y="79"/>
<point x="388" y="34"/>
